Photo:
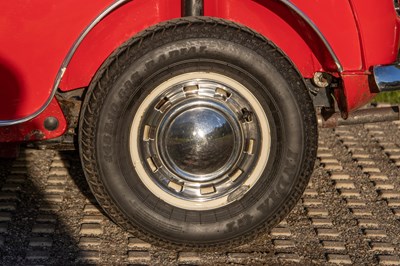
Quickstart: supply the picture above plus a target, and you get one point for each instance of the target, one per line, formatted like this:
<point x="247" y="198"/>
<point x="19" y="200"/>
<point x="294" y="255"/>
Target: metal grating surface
<point x="349" y="214"/>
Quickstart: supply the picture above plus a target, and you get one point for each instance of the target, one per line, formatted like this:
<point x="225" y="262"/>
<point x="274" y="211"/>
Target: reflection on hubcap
<point x="200" y="141"/>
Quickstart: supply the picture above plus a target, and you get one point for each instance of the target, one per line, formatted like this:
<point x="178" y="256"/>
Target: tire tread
<point x="109" y="71"/>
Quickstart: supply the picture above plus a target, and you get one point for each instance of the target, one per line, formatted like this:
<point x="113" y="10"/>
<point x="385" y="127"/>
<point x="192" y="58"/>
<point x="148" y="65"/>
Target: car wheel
<point x="198" y="133"/>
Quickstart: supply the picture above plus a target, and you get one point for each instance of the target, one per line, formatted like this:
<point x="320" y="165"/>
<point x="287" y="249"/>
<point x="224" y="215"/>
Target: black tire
<point x="170" y="49"/>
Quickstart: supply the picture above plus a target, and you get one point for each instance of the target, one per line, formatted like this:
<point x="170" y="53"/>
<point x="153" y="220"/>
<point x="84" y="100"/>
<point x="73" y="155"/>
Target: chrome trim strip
<point x="67" y="59"/>
<point x="387" y="78"/>
<point x="316" y="30"/>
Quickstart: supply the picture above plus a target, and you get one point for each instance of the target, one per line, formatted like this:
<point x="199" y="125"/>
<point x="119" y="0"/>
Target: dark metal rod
<point x="362" y="116"/>
<point x="192" y="8"/>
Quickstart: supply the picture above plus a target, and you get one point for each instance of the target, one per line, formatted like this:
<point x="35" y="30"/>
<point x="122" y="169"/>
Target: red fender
<point x="272" y="19"/>
<point x="35" y="128"/>
<point x="35" y="38"/>
<point x="110" y="33"/>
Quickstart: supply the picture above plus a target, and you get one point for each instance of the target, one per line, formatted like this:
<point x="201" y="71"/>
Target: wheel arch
<point x="132" y="16"/>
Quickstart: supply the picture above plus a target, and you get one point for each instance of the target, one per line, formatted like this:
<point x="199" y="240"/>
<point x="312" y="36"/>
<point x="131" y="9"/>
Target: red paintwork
<point x="336" y="21"/>
<point x="379" y="41"/>
<point x="109" y="34"/>
<point x="34" y="129"/>
<point x="378" y="30"/>
<point x="292" y="35"/>
<point x="35" y="37"/>
<point x="38" y="34"/>
<point x="356" y="90"/>
<point x="94" y="51"/>
<point x="304" y="50"/>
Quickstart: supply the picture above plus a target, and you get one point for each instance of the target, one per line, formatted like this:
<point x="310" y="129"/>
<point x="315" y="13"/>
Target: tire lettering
<point x="230" y="227"/>
<point x="107" y="140"/>
<point x="150" y="64"/>
<point x="136" y="76"/>
<point x="267" y="204"/>
<point x="113" y="113"/>
<point x="283" y="183"/>
<point x="124" y="90"/>
<point x="185" y="51"/>
<point x="245" y="221"/>
<point x="288" y="171"/>
<point x="107" y="148"/>
<point x="173" y="53"/>
<point x="108" y="128"/>
<point x="162" y="58"/>
<point x="202" y="49"/>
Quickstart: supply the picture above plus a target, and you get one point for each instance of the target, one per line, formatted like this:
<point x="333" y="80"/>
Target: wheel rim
<point x="200" y="141"/>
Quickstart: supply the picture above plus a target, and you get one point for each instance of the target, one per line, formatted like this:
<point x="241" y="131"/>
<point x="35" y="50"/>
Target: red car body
<point x="59" y="45"/>
<point x="196" y="118"/>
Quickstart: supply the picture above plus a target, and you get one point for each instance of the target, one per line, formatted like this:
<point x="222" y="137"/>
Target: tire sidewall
<point x="280" y="184"/>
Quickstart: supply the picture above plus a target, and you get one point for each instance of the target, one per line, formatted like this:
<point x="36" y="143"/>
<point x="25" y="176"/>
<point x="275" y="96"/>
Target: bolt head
<point x="51" y="123"/>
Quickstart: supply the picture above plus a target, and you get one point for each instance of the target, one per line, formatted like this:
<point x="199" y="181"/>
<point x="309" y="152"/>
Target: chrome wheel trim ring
<point x="222" y="97"/>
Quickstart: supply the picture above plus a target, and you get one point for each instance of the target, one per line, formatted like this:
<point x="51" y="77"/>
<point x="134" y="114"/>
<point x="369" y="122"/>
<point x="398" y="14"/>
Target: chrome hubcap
<point x="199" y="143"/>
<point x="196" y="141"/>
